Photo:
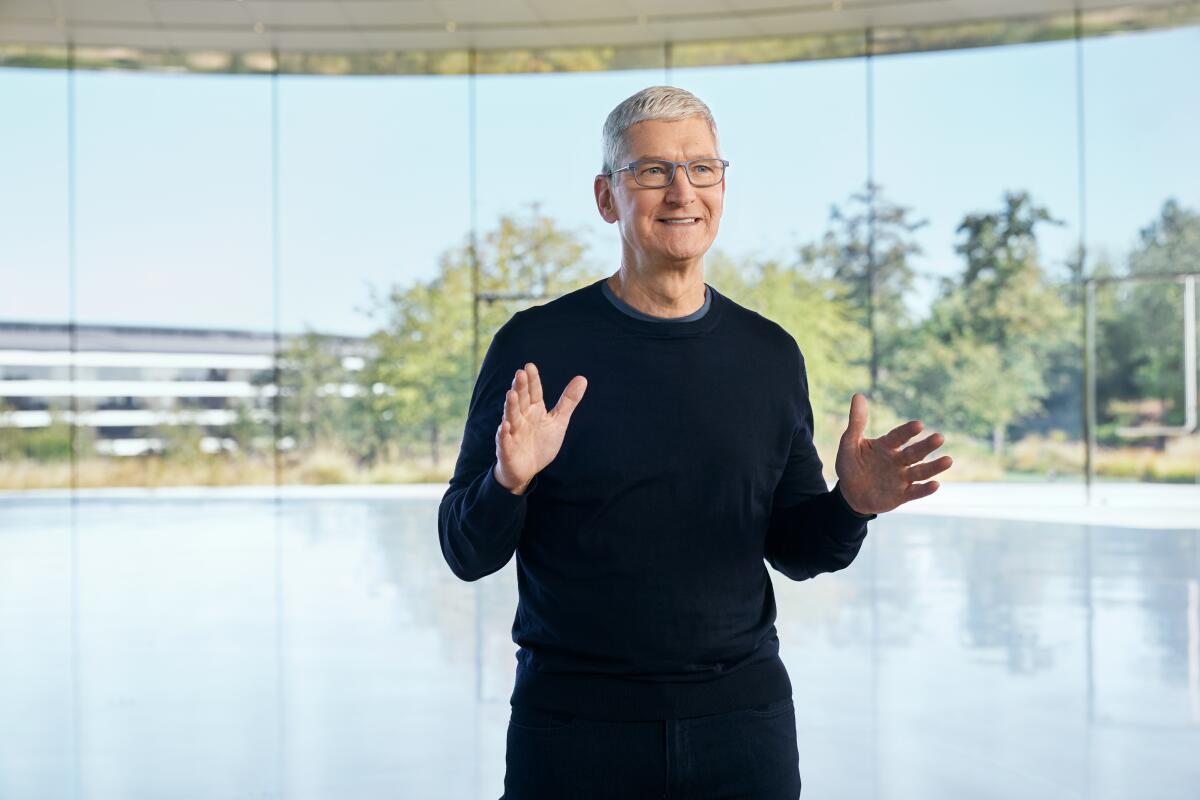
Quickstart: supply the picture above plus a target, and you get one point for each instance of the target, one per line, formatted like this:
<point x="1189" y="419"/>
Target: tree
<point x="980" y="359"/>
<point x="312" y="407"/>
<point x="1169" y="244"/>
<point x="866" y="250"/>
<point x="1140" y="360"/>
<point x="51" y="443"/>
<point x="420" y="378"/>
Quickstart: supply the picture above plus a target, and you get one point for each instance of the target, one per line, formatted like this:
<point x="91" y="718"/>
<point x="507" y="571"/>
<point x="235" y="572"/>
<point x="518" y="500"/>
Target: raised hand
<point x="876" y="475"/>
<point x="529" y="436"/>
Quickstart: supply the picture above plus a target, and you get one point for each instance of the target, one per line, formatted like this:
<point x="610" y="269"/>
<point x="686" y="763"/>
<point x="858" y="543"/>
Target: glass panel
<point x="374" y="196"/>
<point x="1142" y="107"/>
<point x="175" y="299"/>
<point x="174" y="242"/>
<point x="990" y="354"/>
<point x="36" y="667"/>
<point x="375" y="211"/>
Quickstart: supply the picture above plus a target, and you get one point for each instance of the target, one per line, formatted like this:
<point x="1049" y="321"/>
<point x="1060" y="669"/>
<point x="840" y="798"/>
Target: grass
<point x="1030" y="458"/>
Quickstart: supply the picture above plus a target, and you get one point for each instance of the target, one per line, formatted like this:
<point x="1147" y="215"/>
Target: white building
<point x="127" y="380"/>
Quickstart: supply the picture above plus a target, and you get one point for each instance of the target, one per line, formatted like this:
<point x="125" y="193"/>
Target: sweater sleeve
<point x="479" y="521"/>
<point x="812" y="529"/>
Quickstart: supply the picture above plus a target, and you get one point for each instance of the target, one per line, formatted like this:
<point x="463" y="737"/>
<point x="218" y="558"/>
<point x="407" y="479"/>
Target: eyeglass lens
<point x="703" y="172"/>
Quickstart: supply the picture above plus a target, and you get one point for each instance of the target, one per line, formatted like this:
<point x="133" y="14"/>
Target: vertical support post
<point x="1089" y="385"/>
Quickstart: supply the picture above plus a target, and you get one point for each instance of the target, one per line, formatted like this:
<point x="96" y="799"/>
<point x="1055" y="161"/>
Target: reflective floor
<point x="226" y="647"/>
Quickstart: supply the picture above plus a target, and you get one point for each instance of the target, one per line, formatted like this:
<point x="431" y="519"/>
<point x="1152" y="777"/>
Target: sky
<point x="173" y="173"/>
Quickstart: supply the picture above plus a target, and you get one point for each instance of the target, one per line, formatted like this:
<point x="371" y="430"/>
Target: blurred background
<point x="252" y="252"/>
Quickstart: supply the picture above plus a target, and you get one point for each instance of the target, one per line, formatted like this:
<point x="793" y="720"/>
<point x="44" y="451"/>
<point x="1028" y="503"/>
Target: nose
<point x="681" y="192"/>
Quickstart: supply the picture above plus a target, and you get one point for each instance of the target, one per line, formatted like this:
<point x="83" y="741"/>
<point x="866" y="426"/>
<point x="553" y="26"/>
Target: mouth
<point x="679" y="220"/>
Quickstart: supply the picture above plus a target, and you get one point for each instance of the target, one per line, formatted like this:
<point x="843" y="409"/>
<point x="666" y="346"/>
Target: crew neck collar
<point x="662" y="327"/>
<point x="636" y="314"/>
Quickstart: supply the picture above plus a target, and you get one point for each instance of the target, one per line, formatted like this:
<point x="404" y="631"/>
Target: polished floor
<point x="230" y="645"/>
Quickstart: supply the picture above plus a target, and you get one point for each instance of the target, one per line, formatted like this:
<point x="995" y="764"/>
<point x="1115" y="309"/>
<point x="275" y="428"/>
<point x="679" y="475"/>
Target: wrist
<point x="518" y="489"/>
<point x="837" y="488"/>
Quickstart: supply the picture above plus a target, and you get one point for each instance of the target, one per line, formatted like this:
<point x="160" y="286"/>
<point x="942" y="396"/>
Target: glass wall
<point x="878" y="206"/>
<point x="288" y="281"/>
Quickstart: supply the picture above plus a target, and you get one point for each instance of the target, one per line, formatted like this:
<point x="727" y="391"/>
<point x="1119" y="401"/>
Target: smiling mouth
<point x="680" y="221"/>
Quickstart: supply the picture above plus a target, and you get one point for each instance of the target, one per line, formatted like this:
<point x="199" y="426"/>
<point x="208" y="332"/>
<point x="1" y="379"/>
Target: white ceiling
<point x="355" y="25"/>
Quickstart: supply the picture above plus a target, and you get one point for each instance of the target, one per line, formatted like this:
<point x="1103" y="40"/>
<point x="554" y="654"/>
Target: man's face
<point x="640" y="212"/>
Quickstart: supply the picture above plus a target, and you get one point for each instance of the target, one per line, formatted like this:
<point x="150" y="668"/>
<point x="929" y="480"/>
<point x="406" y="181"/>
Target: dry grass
<point x="1178" y="462"/>
<point x="973" y="461"/>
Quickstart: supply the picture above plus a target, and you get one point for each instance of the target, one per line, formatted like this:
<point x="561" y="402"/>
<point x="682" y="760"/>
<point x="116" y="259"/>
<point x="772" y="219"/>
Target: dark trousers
<point x="749" y="753"/>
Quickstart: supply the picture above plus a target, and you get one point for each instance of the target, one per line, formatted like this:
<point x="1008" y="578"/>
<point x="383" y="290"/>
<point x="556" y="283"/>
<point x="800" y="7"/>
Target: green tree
<point x="1169" y="244"/>
<point x="419" y="380"/>
<point x="980" y="359"/>
<point x="45" y="444"/>
<point x="313" y="408"/>
<point x="866" y="250"/>
<point x="180" y="442"/>
<point x="249" y="431"/>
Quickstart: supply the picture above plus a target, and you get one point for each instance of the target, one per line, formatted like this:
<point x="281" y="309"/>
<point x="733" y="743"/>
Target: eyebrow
<point x="664" y="158"/>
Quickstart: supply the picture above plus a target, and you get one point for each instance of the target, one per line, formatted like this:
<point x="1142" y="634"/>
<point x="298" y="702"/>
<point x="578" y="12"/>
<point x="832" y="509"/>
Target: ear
<point x="605" y="201"/>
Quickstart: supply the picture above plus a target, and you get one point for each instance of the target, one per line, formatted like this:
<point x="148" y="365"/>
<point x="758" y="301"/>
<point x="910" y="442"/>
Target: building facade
<point x="124" y="382"/>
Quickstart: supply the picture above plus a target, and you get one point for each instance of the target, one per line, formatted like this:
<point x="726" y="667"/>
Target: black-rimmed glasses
<point x="654" y="173"/>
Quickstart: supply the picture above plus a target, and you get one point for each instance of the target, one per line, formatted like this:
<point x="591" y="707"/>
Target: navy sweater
<point x="643" y="592"/>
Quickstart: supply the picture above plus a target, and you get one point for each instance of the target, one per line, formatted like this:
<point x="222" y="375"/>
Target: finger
<point x="857" y="424"/>
<point x="570" y="398"/>
<point x="521" y="384"/>
<point x="900" y="434"/>
<point x="535" y="383"/>
<point x="927" y="470"/>
<point x="919" y="490"/>
<point x="915" y="452"/>
<point x="512" y="411"/>
<point x="505" y="435"/>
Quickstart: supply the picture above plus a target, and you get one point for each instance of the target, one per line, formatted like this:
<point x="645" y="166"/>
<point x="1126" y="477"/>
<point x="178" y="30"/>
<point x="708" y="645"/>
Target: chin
<point x="698" y="251"/>
<point x="690" y="255"/>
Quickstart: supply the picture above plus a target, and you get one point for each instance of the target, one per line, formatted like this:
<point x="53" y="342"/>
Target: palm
<point x="877" y="475"/>
<point x="529" y="437"/>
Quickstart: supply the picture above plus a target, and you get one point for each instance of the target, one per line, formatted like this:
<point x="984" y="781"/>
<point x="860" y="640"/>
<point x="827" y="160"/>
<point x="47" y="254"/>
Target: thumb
<point x="570" y="398"/>
<point x="858" y="417"/>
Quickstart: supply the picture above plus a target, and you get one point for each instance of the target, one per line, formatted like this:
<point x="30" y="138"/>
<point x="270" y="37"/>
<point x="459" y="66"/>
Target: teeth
<point x="689" y="221"/>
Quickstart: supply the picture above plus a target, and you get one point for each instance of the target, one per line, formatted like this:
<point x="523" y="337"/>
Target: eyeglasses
<point x="655" y="173"/>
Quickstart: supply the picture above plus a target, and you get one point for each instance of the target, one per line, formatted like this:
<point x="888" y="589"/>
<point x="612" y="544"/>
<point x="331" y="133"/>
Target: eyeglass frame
<point x="675" y="165"/>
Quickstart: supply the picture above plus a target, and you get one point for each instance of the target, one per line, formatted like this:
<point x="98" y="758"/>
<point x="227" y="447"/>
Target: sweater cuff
<point x="837" y="491"/>
<point x="495" y="493"/>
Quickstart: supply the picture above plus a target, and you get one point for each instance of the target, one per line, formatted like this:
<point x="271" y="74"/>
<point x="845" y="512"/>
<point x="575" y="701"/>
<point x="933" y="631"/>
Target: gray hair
<point x="653" y="102"/>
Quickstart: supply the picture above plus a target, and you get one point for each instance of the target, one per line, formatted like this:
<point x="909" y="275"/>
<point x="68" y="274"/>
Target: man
<point x="649" y="662"/>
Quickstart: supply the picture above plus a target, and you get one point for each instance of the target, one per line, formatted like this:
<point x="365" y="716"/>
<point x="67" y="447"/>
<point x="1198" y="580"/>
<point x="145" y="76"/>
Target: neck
<point x="660" y="293"/>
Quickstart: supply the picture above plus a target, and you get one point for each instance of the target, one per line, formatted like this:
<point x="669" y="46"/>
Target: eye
<point x="702" y="168"/>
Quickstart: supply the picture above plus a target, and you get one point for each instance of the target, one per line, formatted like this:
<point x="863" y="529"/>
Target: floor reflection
<point x="321" y="648"/>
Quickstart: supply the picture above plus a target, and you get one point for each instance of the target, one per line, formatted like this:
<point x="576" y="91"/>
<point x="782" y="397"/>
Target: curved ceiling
<point x="433" y="25"/>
